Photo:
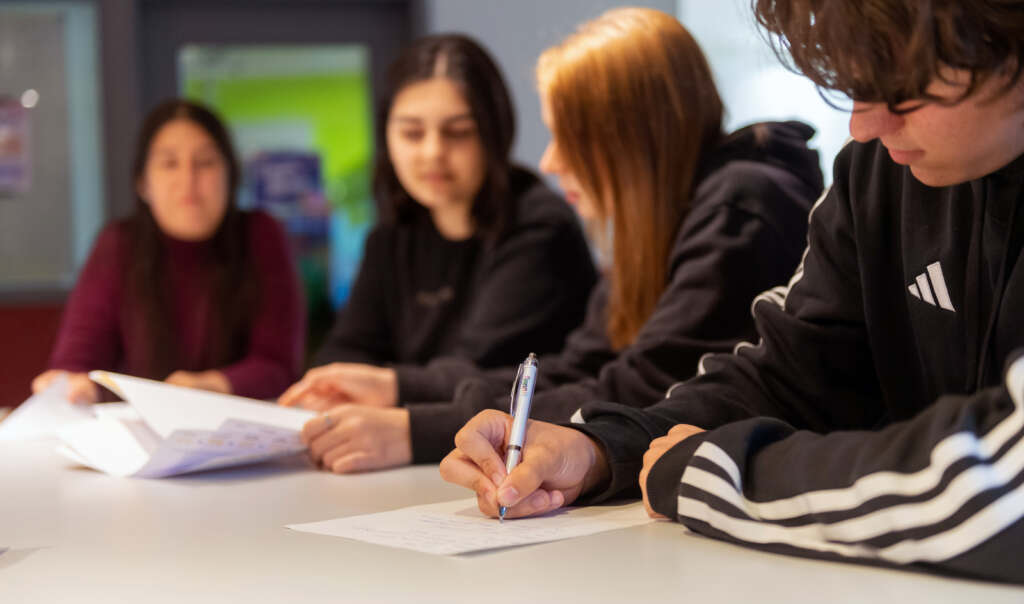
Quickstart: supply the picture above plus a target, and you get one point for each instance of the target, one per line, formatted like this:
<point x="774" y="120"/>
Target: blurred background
<point x="295" y="81"/>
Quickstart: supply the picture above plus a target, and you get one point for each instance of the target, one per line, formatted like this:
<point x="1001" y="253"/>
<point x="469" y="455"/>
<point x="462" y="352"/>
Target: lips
<point x="905" y="156"/>
<point x="436" y="177"/>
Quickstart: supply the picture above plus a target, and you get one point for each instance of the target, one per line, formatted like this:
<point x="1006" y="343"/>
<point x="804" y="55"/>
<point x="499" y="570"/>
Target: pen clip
<point x="515" y="387"/>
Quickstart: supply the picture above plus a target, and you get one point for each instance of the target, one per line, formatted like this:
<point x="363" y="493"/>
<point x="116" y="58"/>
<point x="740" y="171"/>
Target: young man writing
<point x="880" y="417"/>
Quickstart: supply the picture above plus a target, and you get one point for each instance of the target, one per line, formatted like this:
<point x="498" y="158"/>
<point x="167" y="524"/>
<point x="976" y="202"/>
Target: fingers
<point x="356" y="461"/>
<point x="459" y="469"/>
<point x="327" y="441"/>
<point x="526" y="478"/>
<point x="537" y="503"/>
<point x="683" y="431"/>
<point x="348" y="450"/>
<point x="292" y="397"/>
<point x="317" y="426"/>
<point x="81" y="390"/>
<point x="480" y="440"/>
<point x="44" y="379"/>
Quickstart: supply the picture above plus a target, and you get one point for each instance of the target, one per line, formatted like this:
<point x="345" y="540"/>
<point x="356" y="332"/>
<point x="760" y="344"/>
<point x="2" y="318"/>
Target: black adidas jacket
<point x="872" y="421"/>
<point x="744" y="232"/>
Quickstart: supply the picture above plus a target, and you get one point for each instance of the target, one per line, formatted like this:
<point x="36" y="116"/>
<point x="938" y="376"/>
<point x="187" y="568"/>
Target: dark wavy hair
<point x="231" y="278"/>
<point x="888" y="51"/>
<point x="477" y="76"/>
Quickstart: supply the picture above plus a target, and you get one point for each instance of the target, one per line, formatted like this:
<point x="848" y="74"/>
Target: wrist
<point x="598" y="473"/>
<point x="390" y="385"/>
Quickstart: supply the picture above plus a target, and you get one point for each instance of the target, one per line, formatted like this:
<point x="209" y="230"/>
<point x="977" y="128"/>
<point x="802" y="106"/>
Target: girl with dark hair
<point x="473" y="259"/>
<point x="701" y="222"/>
<point x="189" y="289"/>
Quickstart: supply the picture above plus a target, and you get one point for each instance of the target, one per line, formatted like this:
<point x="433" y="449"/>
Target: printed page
<point x="167" y="408"/>
<point x="123" y="446"/>
<point x="458" y="527"/>
<point x="235" y="443"/>
<point x="43" y="414"/>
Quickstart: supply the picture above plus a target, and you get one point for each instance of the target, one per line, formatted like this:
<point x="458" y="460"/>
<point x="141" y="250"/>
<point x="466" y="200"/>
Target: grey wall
<point x="41" y="214"/>
<point x="516" y="32"/>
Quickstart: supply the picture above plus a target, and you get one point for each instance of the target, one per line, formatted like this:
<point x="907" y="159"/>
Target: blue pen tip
<point x="501" y="514"/>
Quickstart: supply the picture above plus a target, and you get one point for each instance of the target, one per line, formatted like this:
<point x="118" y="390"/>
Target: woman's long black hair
<point x="230" y="280"/>
<point x="477" y="76"/>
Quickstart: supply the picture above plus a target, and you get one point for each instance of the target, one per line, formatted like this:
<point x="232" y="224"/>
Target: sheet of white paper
<point x="127" y="447"/>
<point x="108" y="445"/>
<point x="43" y="414"/>
<point x="167" y="408"/>
<point x="458" y="527"/>
<point x="163" y="430"/>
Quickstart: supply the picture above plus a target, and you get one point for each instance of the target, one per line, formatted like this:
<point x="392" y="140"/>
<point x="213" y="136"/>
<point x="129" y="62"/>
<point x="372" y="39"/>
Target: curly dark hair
<point x="888" y="51"/>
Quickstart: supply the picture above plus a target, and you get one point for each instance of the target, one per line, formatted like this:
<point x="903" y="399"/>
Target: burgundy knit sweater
<point x="96" y="332"/>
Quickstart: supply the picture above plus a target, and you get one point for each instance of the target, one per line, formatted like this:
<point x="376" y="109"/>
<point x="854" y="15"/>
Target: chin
<point x="938" y="178"/>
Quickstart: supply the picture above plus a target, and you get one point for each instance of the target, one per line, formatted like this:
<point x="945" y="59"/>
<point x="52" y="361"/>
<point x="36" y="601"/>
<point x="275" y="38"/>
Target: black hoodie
<point x="872" y="421"/>
<point x="419" y="296"/>
<point x="743" y="234"/>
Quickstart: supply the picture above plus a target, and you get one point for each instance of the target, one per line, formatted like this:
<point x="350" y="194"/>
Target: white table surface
<point x="76" y="535"/>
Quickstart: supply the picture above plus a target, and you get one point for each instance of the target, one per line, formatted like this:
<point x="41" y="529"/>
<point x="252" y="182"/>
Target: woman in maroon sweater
<point x="189" y="289"/>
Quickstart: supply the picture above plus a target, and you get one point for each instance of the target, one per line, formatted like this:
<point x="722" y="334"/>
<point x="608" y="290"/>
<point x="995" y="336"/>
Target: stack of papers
<point x="43" y="414"/>
<point x="458" y="527"/>
<point x="164" y="430"/>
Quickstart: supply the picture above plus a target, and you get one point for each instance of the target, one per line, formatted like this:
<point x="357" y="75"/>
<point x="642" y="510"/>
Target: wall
<point x="516" y="33"/>
<point x="753" y="83"/>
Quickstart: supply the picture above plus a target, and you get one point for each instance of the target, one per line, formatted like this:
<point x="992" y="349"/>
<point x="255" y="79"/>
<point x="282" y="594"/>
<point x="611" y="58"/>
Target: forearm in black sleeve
<point x="943" y="491"/>
<point x="437" y="380"/>
<point x="811" y="368"/>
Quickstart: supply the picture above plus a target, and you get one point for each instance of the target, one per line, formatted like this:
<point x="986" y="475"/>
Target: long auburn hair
<point x="462" y="60"/>
<point x="231" y="278"/>
<point x="889" y="51"/>
<point x="633" y="110"/>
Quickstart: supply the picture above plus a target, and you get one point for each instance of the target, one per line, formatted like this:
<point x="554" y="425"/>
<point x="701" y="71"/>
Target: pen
<point x="519" y="401"/>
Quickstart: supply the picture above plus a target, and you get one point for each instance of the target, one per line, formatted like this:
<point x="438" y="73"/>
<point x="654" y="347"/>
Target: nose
<point x="433" y="144"/>
<point x="550" y="162"/>
<point x="872" y="120"/>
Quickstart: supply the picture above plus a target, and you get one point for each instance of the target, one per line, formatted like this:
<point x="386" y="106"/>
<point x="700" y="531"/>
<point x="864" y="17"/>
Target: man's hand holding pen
<point x="558" y="465"/>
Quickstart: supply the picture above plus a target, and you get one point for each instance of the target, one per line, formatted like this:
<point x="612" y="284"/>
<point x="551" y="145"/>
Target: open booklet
<point x="164" y="430"/>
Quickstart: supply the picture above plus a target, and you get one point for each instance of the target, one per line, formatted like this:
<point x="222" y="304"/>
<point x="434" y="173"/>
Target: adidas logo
<point x="930" y="287"/>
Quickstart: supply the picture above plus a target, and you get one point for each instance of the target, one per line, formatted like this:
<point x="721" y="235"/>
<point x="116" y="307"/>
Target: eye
<point x="461" y="133"/>
<point x="411" y="135"/>
<point x="206" y="162"/>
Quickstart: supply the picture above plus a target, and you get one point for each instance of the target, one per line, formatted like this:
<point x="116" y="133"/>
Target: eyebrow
<point x="170" y="150"/>
<point x="416" y="120"/>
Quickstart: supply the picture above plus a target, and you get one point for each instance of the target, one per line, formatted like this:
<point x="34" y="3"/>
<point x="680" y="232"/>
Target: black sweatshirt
<point x="872" y="421"/>
<point x="744" y="233"/>
<point x="418" y="295"/>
